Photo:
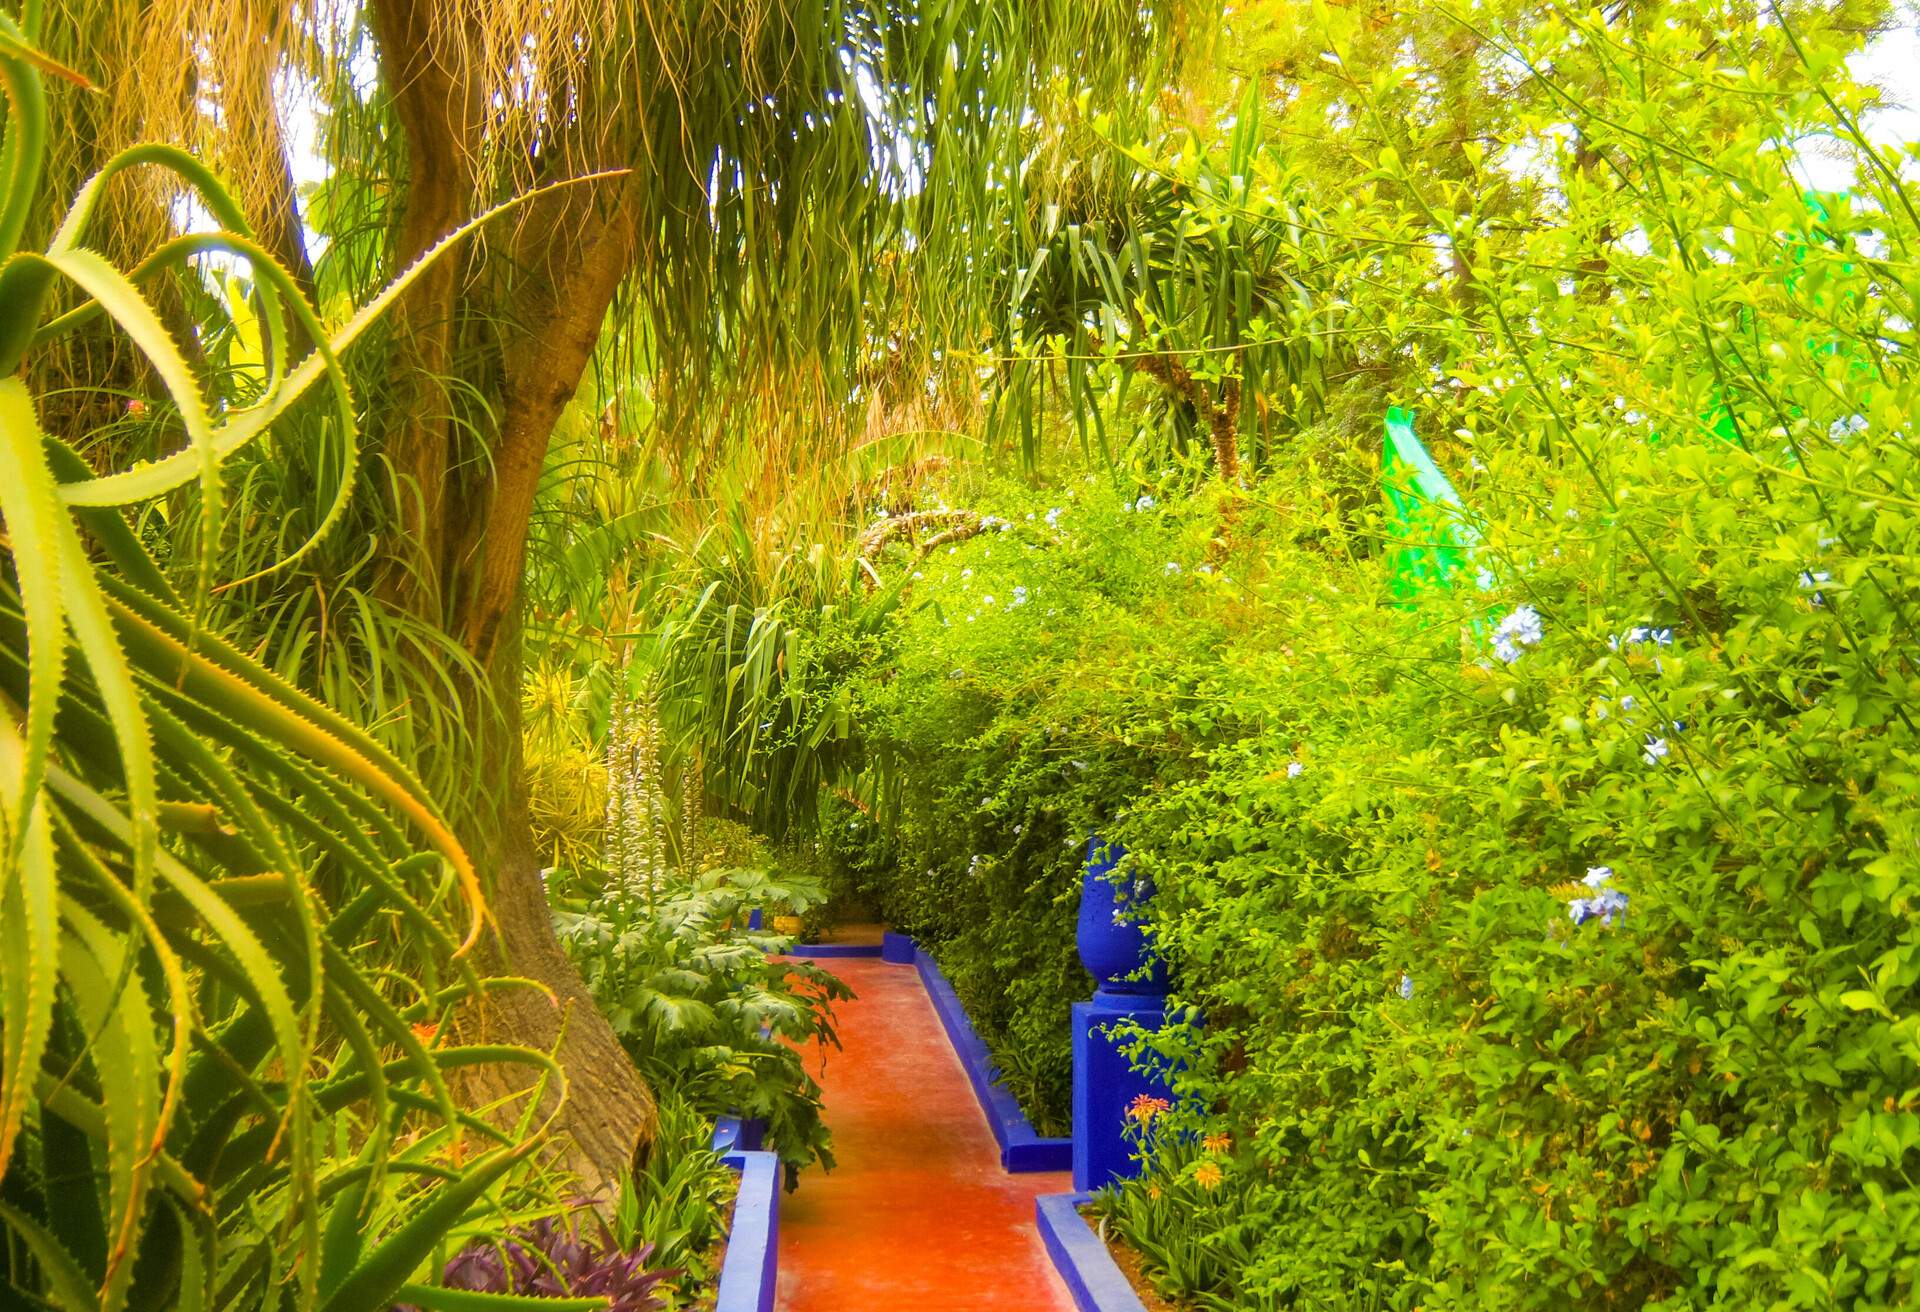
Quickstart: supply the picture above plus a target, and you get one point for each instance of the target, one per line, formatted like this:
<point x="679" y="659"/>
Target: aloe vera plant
<point x="230" y="923"/>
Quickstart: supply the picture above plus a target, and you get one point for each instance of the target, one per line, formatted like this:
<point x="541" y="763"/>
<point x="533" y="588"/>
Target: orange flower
<point x="426" y="1031"/>
<point x="1208" y="1176"/>
<point x="1217" y="1143"/>
<point x="1145" y="1107"/>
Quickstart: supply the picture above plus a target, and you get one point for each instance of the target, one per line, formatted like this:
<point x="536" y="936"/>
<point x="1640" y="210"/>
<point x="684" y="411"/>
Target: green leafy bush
<point x="701" y="1008"/>
<point x="1552" y="932"/>
<point x="1027" y="683"/>
<point x="1552" y="935"/>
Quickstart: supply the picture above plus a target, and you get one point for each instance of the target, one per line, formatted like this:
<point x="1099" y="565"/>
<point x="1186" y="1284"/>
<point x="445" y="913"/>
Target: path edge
<point x="1022" y="1148"/>
<point x="1091" y="1275"/>
<point x="750" y="1272"/>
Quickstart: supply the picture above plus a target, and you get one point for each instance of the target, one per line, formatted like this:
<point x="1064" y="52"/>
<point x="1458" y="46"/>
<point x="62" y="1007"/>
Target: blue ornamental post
<point x="1114" y="948"/>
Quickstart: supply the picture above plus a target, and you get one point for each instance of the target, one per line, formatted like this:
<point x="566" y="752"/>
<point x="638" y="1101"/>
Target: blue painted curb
<point x="752" y="1266"/>
<point x="738" y="1134"/>
<point x="1091" y="1275"/>
<point x="809" y="951"/>
<point x="897" y="949"/>
<point x="1021" y="1147"/>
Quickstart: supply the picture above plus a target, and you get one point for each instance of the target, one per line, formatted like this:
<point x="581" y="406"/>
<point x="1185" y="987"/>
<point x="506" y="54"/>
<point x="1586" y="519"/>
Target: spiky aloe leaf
<point x="29" y="503"/>
<point x="71" y="1288"/>
<point x="378" y="1280"/>
<point x="119" y="1019"/>
<point x="162" y="476"/>
<point x="29" y="957"/>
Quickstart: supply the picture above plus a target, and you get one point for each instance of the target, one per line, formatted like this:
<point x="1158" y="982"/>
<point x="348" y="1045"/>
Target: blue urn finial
<point x="1113" y="945"/>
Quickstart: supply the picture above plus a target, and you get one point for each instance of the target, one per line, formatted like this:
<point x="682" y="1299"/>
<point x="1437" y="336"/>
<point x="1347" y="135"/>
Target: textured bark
<point x="460" y="553"/>
<point x="437" y="108"/>
<point x="571" y="252"/>
<point x="1222" y="419"/>
<point x="606" y="1124"/>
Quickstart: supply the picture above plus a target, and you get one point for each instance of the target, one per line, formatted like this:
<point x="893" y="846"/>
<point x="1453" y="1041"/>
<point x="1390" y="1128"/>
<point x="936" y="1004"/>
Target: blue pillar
<point x="1131" y="986"/>
<point x="1105" y="1085"/>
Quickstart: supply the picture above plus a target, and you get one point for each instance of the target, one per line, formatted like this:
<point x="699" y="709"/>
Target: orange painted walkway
<point x="918" y="1213"/>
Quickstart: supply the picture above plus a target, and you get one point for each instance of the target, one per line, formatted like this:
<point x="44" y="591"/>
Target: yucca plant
<point x="230" y="923"/>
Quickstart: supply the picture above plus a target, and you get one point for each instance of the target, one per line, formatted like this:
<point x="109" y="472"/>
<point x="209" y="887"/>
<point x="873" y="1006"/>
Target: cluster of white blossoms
<point x="637" y="822"/>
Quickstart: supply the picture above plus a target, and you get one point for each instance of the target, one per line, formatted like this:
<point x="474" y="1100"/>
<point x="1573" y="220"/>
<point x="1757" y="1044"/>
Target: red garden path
<point x="918" y="1213"/>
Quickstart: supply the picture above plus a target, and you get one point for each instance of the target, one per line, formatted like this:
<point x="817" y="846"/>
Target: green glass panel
<point x="1432" y="539"/>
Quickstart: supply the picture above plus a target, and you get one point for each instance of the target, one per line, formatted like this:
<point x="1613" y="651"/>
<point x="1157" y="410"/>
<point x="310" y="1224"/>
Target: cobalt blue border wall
<point x="809" y="951"/>
<point x="751" y="1270"/>
<point x="738" y="1134"/>
<point x="1081" y="1257"/>
<point x="1021" y="1147"/>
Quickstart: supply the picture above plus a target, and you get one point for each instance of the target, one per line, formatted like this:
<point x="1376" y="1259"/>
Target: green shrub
<point x="1552" y="934"/>
<point x="1680" y="688"/>
<point x="701" y="1008"/>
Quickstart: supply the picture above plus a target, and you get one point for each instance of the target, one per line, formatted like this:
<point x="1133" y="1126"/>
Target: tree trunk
<point x="1222" y="420"/>
<point x="605" y="1127"/>
<point x="575" y="248"/>
<point x="460" y="552"/>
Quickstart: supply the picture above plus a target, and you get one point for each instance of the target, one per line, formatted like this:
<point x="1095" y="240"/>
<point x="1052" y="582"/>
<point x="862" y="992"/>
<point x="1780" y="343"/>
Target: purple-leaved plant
<point x="552" y="1259"/>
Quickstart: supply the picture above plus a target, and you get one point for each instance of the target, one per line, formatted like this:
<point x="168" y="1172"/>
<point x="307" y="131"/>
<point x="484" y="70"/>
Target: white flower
<point x="1173" y="567"/>
<point x="1655" y="751"/>
<point x="987" y="600"/>
<point x="1841" y="429"/>
<point x="1144" y="503"/>
<point x="966" y="573"/>
<point x="1517" y="631"/>
<point x="1295" y="769"/>
<point x="1597" y="875"/>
